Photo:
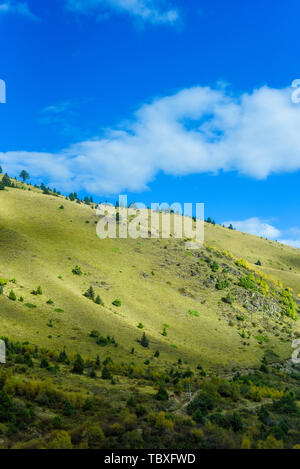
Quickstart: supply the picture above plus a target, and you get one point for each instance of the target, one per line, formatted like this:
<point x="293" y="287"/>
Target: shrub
<point x="117" y="302"/>
<point x="222" y="284"/>
<point x="287" y="404"/>
<point x="248" y="282"/>
<point x="95" y="437"/>
<point x="229" y="299"/>
<point x="61" y="440"/>
<point x="195" y="313"/>
<point x="290" y="305"/>
<point x="236" y="423"/>
<point x="261" y="338"/>
<point x="68" y="409"/>
<point x="204" y="401"/>
<point x="38" y="291"/>
<point x="215" y="266"/>
<point x="243" y="263"/>
<point x="162" y="394"/>
<point x="12" y="296"/>
<point x="44" y="363"/>
<point x="198" y="416"/>
<point x="240" y="317"/>
<point x="77" y="270"/>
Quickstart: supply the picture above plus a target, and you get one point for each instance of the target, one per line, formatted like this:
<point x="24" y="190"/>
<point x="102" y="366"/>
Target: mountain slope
<point x="158" y="282"/>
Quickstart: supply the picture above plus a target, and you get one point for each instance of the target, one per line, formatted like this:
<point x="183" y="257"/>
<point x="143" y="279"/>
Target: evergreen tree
<point x="24" y="175"/>
<point x="99" y="301"/>
<point x="162" y="394"/>
<point x="78" y="365"/>
<point x="63" y="357"/>
<point x="106" y="374"/>
<point x="12" y="296"/>
<point x="144" y="341"/>
<point x="90" y="293"/>
<point x="6" y="180"/>
<point x="98" y="362"/>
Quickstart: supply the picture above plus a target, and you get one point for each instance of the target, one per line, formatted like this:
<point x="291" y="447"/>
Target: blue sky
<point x="163" y="100"/>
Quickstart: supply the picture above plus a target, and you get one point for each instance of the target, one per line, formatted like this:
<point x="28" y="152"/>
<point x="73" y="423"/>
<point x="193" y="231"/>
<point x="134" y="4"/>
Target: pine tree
<point x="144" y="341"/>
<point x="6" y="180"/>
<point x="98" y="362"/>
<point x="24" y="175"/>
<point x="99" y="301"/>
<point x="90" y="293"/>
<point x="78" y="367"/>
<point x="12" y="296"/>
<point x="106" y="374"/>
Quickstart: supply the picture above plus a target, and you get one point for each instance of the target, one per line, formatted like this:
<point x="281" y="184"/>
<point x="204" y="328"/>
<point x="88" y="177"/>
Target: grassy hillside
<point x="210" y="309"/>
<point x="158" y="282"/>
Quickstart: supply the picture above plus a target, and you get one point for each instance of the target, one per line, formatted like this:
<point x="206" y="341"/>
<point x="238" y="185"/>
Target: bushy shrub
<point x="248" y="282"/>
<point x="287" y="404"/>
<point x="194" y="313"/>
<point x="77" y="270"/>
<point x="229" y="299"/>
<point x="38" y="291"/>
<point x="203" y="401"/>
<point x="222" y="284"/>
<point x="117" y="302"/>
<point x="215" y="266"/>
<point x="12" y="296"/>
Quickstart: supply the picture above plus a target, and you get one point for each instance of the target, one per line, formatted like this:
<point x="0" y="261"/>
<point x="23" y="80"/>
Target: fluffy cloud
<point x="17" y="8"/>
<point x="258" y="227"/>
<point x="194" y="131"/>
<point x="153" y="11"/>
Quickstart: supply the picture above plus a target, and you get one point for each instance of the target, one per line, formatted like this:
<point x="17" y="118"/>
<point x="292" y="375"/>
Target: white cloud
<point x="194" y="131"/>
<point x="153" y="11"/>
<point x="258" y="227"/>
<point x="17" y="8"/>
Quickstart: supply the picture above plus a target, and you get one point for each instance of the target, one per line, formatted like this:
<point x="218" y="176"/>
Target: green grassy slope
<point x="157" y="281"/>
